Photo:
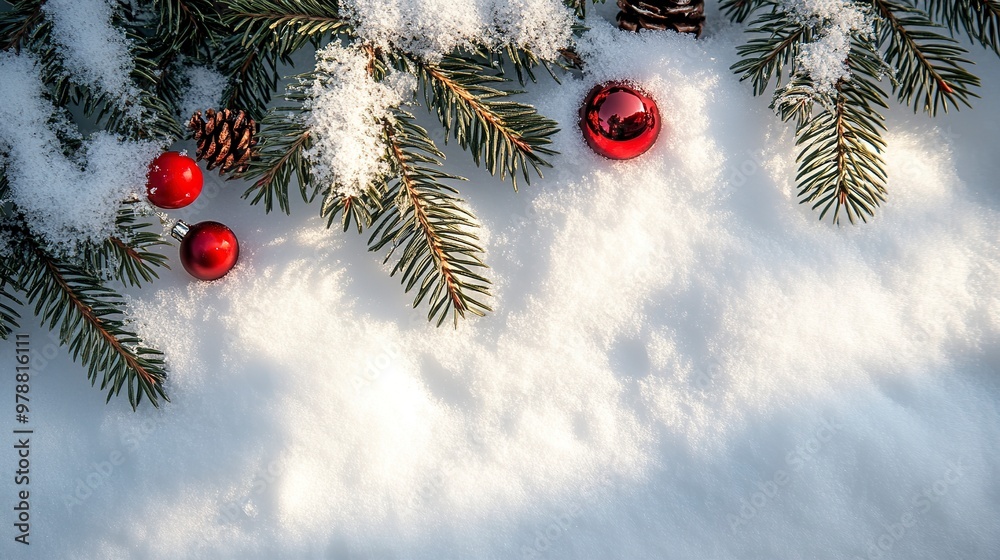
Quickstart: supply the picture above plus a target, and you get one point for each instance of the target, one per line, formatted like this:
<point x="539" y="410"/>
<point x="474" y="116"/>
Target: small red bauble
<point x="174" y="180"/>
<point x="208" y="249"/>
<point x="618" y="121"/>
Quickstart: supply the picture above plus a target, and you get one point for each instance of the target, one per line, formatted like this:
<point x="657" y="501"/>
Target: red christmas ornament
<point x="619" y="122"/>
<point x="174" y="180"/>
<point x="208" y="249"/>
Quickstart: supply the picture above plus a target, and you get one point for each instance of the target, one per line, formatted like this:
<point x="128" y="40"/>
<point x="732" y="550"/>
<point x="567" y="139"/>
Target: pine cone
<point x="683" y="16"/>
<point x="226" y="138"/>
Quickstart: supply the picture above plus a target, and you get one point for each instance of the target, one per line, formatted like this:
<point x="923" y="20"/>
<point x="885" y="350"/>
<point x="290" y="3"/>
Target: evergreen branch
<point x="362" y="209"/>
<point x="580" y="6"/>
<point x="441" y="255"/>
<point x="280" y="155"/>
<point x="88" y="316"/>
<point x="155" y="122"/>
<point x="502" y="135"/>
<point x="980" y="19"/>
<point x="253" y="76"/>
<point x="18" y="25"/>
<point x="151" y="78"/>
<point x="840" y="163"/>
<point x="188" y="26"/>
<point x="765" y="57"/>
<point x="264" y="33"/>
<point x="930" y="71"/>
<point x="129" y="256"/>
<point x="740" y="10"/>
<point x="523" y="60"/>
<point x="8" y="299"/>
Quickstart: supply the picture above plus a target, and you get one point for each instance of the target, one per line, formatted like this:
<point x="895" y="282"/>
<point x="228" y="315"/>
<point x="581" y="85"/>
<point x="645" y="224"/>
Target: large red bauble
<point x="618" y="121"/>
<point x="174" y="180"/>
<point x="209" y="250"/>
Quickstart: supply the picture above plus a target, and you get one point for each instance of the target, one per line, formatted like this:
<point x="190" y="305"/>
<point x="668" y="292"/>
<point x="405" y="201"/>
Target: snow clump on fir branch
<point x="824" y="61"/>
<point x="203" y="89"/>
<point x="432" y="28"/>
<point x="94" y="51"/>
<point x="346" y="112"/>
<point x="66" y="202"/>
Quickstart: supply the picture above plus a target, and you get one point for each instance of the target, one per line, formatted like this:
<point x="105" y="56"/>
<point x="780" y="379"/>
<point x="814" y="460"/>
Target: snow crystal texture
<point x="824" y="60"/>
<point x="95" y="52"/>
<point x="67" y="202"/>
<point x="431" y="28"/>
<point x="684" y="364"/>
<point x="203" y="90"/>
<point x="346" y="113"/>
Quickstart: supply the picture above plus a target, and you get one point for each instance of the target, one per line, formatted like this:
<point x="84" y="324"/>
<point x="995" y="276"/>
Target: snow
<point x="824" y="60"/>
<point x="684" y="363"/>
<point x="431" y="28"/>
<point x="65" y="203"/>
<point x="95" y="52"/>
<point x="346" y="110"/>
<point x="203" y="90"/>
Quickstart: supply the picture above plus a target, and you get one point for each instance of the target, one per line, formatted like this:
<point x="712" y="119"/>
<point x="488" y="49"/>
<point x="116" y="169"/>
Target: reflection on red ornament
<point x="174" y="180"/>
<point x="209" y="250"/>
<point x="618" y="121"/>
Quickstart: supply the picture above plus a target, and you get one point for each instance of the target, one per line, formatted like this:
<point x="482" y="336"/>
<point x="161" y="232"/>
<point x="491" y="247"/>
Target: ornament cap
<point x="180" y="230"/>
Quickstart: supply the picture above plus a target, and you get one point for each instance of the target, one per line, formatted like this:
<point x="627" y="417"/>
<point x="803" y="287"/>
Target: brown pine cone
<point x="683" y="16"/>
<point x="226" y="139"/>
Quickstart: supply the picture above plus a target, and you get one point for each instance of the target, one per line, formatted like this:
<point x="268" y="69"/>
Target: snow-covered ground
<point x="684" y="363"/>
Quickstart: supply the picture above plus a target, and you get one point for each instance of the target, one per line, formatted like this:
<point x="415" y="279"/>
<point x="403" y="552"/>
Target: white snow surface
<point x="684" y="363"/>
<point x="345" y="114"/>
<point x="66" y="203"/>
<point x="430" y="28"/>
<point x="95" y="52"/>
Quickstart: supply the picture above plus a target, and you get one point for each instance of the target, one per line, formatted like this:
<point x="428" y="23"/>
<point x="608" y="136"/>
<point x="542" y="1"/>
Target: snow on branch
<point x="345" y="110"/>
<point x="94" y="51"/>
<point x="66" y="202"/>
<point x="824" y="60"/>
<point x="431" y="28"/>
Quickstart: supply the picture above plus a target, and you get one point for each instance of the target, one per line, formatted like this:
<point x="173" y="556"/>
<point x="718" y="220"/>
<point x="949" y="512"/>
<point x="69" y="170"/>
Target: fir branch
<point x="579" y="7"/>
<point x="8" y="300"/>
<point x="284" y="140"/>
<point x="157" y="121"/>
<point x="930" y="68"/>
<point x="264" y="33"/>
<point x="840" y="163"/>
<point x="8" y="288"/>
<point x="765" y="57"/>
<point x="18" y="25"/>
<point x="979" y="19"/>
<point x="503" y="136"/>
<point x="361" y="210"/>
<point x="129" y="256"/>
<point x="253" y="76"/>
<point x="740" y="10"/>
<point x="441" y="256"/>
<point x="294" y="22"/>
<point x="188" y="26"/>
<point x="88" y="316"/>
<point x="524" y="61"/>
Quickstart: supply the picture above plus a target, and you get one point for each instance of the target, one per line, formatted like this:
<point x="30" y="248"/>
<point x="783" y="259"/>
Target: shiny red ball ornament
<point x="618" y="121"/>
<point x="174" y="180"/>
<point x="209" y="250"/>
